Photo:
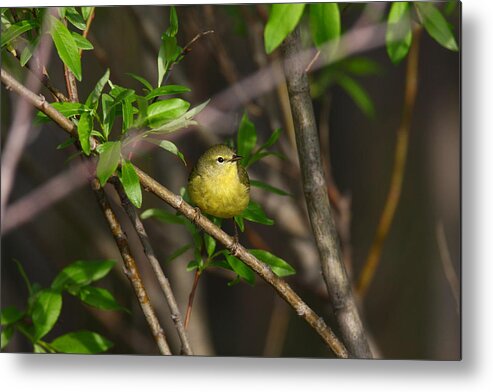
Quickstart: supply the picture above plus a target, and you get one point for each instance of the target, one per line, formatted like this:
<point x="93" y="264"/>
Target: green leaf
<point x="358" y="94"/>
<point x="24" y="276"/>
<point x="10" y="315"/>
<point x="162" y="215"/>
<point x="450" y="7"/>
<point x="82" y="273"/>
<point x="81" y="342"/>
<point x="109" y="112"/>
<point x="177" y="253"/>
<point x="278" y="266"/>
<point x="75" y="18"/>
<point x="239" y="221"/>
<point x="66" y="143"/>
<point x="359" y="66"/>
<point x="241" y="269"/>
<point x="142" y="106"/>
<point x="183" y="121"/>
<point x="61" y="12"/>
<point x="267" y="187"/>
<point x="84" y="128"/>
<point x="128" y="113"/>
<point x="283" y="19"/>
<point x="38" y="349"/>
<point x="108" y="161"/>
<point x="28" y="51"/>
<point x="15" y="30"/>
<point x="81" y="42"/>
<point x="247" y="137"/>
<point x="173" y="22"/>
<point x="161" y="112"/>
<point x="68" y="109"/>
<point x="93" y="98"/>
<point x="6" y="335"/>
<point x="45" y="312"/>
<point x="168" y="54"/>
<point x="168" y="146"/>
<point x="399" y="34"/>
<point x="436" y="25"/>
<point x="66" y="47"/>
<point x="255" y="213"/>
<point x="98" y="298"/>
<point x="146" y="84"/>
<point x="192" y="265"/>
<point x="220" y="264"/>
<point x="86" y="12"/>
<point x="210" y="244"/>
<point x="167" y="90"/>
<point x="131" y="184"/>
<point x="273" y="138"/>
<point x="325" y="22"/>
<point x="120" y="94"/>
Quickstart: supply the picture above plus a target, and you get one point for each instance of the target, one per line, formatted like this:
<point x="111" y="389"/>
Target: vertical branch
<point x="131" y="268"/>
<point x="317" y="201"/>
<point x="156" y="267"/>
<point x="397" y="178"/>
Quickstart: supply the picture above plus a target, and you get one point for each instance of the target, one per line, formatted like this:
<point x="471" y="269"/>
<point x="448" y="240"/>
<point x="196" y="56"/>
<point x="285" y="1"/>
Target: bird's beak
<point x="235" y="158"/>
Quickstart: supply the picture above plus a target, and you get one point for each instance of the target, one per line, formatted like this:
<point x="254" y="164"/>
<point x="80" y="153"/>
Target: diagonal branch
<point x="177" y="202"/>
<point x="315" y="189"/>
<point x="131" y="268"/>
<point x="158" y="271"/>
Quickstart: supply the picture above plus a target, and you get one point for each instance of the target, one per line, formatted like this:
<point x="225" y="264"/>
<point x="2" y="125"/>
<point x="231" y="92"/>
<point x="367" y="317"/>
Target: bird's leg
<point x="236" y="241"/>
<point x="195" y="218"/>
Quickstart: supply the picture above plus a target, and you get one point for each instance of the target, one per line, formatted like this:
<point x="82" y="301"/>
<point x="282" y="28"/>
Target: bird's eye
<point x="220" y="159"/>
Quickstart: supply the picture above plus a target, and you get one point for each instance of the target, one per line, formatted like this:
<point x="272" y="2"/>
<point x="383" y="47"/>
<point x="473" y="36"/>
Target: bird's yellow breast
<point x="221" y="195"/>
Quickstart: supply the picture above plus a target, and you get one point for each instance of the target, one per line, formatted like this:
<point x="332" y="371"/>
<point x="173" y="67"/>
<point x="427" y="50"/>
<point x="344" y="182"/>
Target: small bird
<point x="219" y="184"/>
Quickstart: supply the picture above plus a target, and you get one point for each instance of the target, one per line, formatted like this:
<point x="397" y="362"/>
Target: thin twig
<point x="71" y="84"/>
<point x="177" y="202"/>
<point x="319" y="211"/>
<point x="191" y="297"/>
<point x="156" y="267"/>
<point x="186" y="49"/>
<point x="448" y="268"/>
<point x="131" y="268"/>
<point x="398" y="170"/>
<point x="312" y="61"/>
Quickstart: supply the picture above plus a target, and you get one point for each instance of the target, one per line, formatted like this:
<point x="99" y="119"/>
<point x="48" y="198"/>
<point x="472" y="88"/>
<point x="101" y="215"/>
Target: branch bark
<point x="156" y="267"/>
<point x="315" y="189"/>
<point x="131" y="268"/>
<point x="177" y="202"/>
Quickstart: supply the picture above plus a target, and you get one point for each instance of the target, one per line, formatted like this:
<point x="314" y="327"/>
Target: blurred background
<point x="409" y="309"/>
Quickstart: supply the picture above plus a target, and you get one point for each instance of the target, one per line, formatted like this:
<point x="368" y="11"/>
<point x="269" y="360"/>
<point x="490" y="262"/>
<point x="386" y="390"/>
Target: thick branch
<point x="149" y="184"/>
<point x="317" y="201"/>
<point x="156" y="267"/>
